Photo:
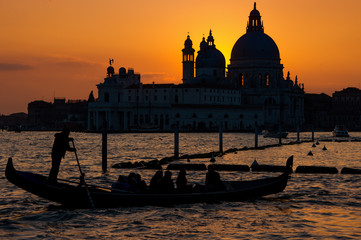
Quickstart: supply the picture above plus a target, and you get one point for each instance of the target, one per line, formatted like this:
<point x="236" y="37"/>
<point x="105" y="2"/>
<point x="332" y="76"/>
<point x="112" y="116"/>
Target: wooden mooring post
<point x="313" y="134"/>
<point x="220" y="138"/>
<point x="298" y="133"/>
<point x="104" y="147"/>
<point x="255" y="137"/>
<point x="176" y="143"/>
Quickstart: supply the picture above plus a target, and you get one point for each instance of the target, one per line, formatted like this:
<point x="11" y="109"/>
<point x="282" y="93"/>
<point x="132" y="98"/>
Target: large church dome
<point x="255" y="45"/>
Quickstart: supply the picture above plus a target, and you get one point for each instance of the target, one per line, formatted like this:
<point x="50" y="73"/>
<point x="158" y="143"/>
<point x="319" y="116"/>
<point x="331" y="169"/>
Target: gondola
<point x="87" y="196"/>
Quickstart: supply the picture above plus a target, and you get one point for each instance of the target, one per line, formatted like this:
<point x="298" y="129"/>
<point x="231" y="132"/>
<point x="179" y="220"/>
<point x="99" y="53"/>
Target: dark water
<point x="313" y="206"/>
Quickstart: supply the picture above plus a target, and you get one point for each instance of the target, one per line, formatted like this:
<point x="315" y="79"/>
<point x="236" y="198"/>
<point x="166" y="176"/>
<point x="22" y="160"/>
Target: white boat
<point x="340" y="131"/>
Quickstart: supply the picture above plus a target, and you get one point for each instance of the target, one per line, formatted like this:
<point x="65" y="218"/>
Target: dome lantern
<point x="210" y="39"/>
<point x="254" y="23"/>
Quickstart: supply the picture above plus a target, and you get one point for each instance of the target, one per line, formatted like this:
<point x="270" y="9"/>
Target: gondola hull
<point x="76" y="196"/>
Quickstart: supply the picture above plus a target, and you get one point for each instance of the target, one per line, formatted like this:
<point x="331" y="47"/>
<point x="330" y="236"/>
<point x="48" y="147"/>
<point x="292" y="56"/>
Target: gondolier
<point x="61" y="145"/>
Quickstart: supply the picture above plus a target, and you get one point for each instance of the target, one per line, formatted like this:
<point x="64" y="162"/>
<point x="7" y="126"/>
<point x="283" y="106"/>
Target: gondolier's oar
<point x="82" y="180"/>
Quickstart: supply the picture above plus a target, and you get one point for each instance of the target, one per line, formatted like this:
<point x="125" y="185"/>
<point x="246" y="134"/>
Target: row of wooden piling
<point x="157" y="164"/>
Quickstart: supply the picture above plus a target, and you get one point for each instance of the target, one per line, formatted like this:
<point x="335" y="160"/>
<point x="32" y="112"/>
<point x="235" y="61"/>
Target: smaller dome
<point x="203" y="44"/>
<point x="122" y="70"/>
<point x="210" y="58"/>
<point x="188" y="41"/>
<point x="110" y="70"/>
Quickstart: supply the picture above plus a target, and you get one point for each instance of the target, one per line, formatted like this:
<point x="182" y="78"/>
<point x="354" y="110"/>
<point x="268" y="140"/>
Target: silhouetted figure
<point x="213" y="180"/>
<point x="155" y="181"/>
<point x="181" y="181"/>
<point x="132" y="180"/>
<point x="61" y="145"/>
<point x="122" y="184"/>
<point x="166" y="183"/>
<point x="141" y="184"/>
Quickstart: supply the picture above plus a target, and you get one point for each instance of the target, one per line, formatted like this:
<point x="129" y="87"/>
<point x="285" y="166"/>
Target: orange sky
<point x="60" y="48"/>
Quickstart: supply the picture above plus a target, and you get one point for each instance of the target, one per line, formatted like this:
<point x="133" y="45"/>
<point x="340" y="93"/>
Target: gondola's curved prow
<point x="289" y="164"/>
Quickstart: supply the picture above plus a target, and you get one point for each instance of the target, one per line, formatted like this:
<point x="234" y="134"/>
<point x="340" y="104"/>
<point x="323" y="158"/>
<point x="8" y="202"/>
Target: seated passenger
<point x="213" y="180"/>
<point x="141" y="184"/>
<point x="155" y="181"/>
<point x="122" y="184"/>
<point x="133" y="181"/>
<point x="181" y="181"/>
<point x="166" y="183"/>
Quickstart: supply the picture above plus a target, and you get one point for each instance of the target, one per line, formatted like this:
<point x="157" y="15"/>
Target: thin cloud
<point x="69" y="62"/>
<point x="15" y="67"/>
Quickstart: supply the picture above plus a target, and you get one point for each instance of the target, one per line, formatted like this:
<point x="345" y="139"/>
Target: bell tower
<point x="188" y="61"/>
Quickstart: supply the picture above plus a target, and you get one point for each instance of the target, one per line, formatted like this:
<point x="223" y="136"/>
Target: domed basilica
<point x="253" y="93"/>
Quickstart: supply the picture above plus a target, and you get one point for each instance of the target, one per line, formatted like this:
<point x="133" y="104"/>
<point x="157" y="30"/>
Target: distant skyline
<point x="61" y="48"/>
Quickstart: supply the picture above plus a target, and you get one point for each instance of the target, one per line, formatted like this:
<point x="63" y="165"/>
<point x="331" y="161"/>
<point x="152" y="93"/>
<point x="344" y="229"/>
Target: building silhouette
<point x="253" y="93"/>
<point x="53" y="116"/>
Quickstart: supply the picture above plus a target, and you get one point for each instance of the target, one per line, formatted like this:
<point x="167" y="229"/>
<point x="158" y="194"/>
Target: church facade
<point x="253" y="93"/>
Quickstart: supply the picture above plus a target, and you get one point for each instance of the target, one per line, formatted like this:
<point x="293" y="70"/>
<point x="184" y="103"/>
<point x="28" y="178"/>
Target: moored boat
<point x="271" y="134"/>
<point x="340" y="131"/>
<point x="75" y="195"/>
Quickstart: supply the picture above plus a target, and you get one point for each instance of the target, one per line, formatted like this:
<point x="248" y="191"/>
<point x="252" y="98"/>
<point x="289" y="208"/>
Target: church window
<point x="156" y="119"/>
<point x="177" y="115"/>
<point x="267" y="80"/>
<point x="129" y="98"/>
<point x="225" y="115"/>
<point x="118" y="97"/>
<point x="210" y="116"/>
<point x="241" y="77"/>
<point x="166" y="120"/>
<point x="191" y="58"/>
<point x="176" y="98"/>
<point x="214" y="72"/>
<point x="194" y="115"/>
<point x="106" y="97"/>
<point x="155" y="98"/>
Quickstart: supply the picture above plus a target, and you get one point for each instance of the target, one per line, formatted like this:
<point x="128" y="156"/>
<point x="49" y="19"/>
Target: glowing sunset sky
<point x="61" y="48"/>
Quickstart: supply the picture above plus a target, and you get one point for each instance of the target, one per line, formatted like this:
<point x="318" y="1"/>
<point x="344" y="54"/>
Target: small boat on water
<point x="75" y="195"/>
<point x="340" y="131"/>
<point x="272" y="134"/>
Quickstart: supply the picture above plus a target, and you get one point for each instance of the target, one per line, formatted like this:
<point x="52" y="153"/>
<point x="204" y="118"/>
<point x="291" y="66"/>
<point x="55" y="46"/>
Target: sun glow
<point x="61" y="48"/>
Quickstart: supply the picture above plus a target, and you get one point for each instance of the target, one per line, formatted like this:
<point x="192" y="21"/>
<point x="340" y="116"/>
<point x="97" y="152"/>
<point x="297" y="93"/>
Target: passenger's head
<point x="121" y="178"/>
<point x="168" y="174"/>
<point x="131" y="175"/>
<point x="210" y="167"/>
<point x="182" y="172"/>
<point x="159" y="173"/>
